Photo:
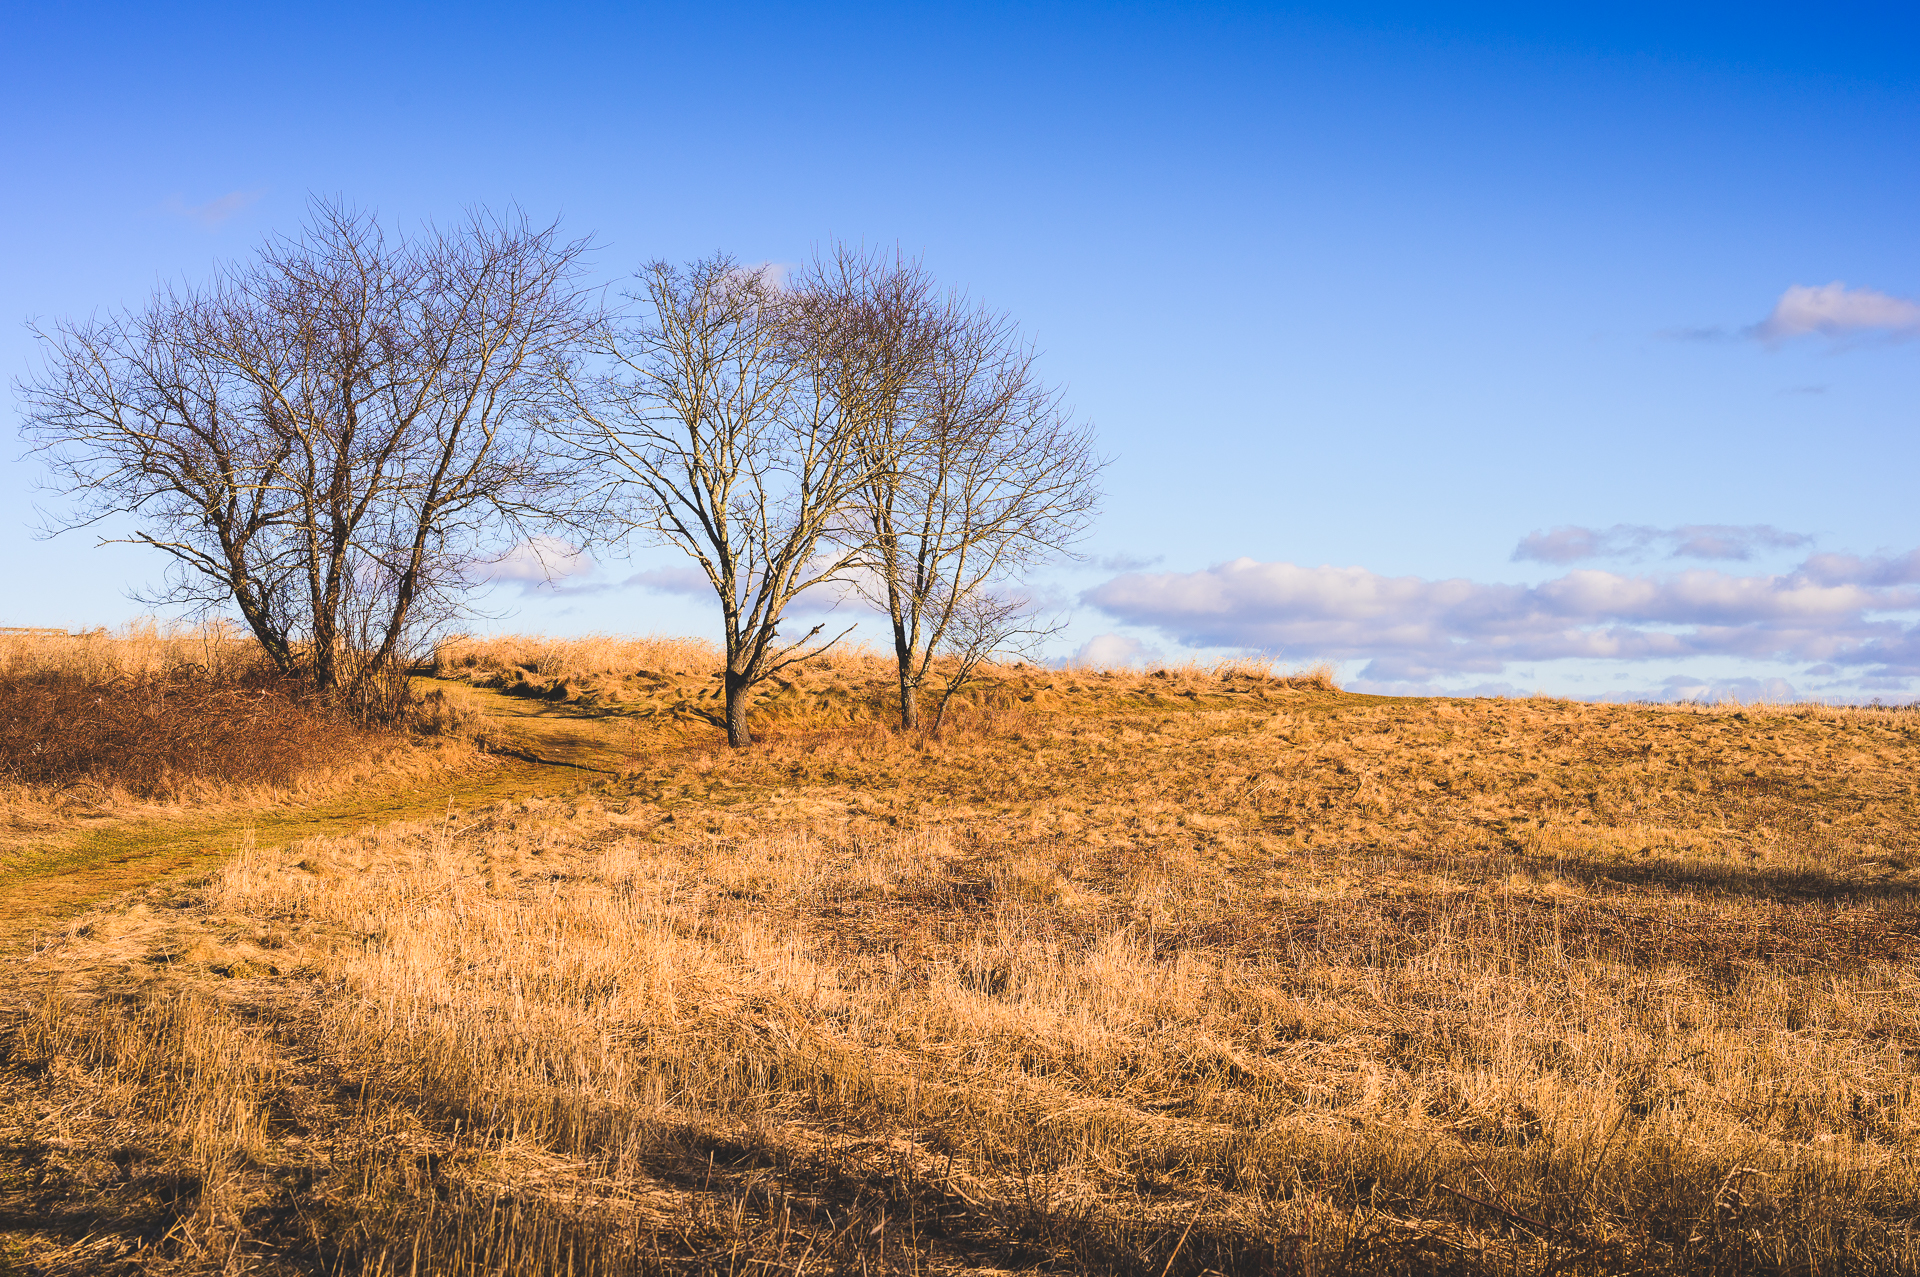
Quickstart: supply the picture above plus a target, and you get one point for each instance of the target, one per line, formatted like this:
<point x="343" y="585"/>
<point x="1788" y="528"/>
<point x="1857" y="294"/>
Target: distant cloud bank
<point x="1568" y="544"/>
<point x="213" y="213"/>
<point x="1824" y="310"/>
<point x="1838" y="610"/>
<point x="691" y="582"/>
<point x="1834" y="310"/>
<point x="1109" y="651"/>
<point x="541" y="561"/>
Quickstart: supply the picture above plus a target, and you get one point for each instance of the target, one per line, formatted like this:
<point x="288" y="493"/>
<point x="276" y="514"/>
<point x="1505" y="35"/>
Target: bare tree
<point x="719" y="427"/>
<point x="330" y="433"/>
<point x="972" y="469"/>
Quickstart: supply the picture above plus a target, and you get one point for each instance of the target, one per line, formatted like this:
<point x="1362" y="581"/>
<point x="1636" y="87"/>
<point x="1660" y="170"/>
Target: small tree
<point x="720" y="433"/>
<point x="972" y="471"/>
<point x="331" y="432"/>
<point x="982" y="627"/>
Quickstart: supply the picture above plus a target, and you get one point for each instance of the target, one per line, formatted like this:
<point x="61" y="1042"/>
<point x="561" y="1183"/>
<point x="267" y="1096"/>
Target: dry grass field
<point x="1204" y="970"/>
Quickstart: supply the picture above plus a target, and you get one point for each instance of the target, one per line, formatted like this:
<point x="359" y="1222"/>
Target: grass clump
<point x="466" y="656"/>
<point x="144" y="651"/>
<point x="679" y="680"/>
<point x="166" y="737"/>
<point x="106" y="723"/>
<point x="160" y="714"/>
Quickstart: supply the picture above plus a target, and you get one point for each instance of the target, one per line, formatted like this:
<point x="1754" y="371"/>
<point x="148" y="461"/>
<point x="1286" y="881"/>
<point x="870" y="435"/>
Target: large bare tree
<point x="329" y="434"/>
<point x="719" y="428"/>
<point x="972" y="470"/>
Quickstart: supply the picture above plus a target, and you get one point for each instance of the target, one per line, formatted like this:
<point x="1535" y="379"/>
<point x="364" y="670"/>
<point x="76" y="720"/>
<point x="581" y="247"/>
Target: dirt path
<point x="540" y="748"/>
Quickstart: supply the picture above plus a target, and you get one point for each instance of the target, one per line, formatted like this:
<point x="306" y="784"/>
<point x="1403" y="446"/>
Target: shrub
<point x="157" y="735"/>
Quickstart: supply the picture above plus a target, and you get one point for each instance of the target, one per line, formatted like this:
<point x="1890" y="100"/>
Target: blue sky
<point x="1360" y="299"/>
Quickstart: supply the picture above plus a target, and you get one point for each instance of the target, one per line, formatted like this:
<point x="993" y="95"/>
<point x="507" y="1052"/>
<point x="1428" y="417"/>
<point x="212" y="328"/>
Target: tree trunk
<point x="326" y="652"/>
<point x="903" y="656"/>
<point x="259" y="621"/>
<point x="738" y="689"/>
<point x="940" y="711"/>
<point x="909" y="702"/>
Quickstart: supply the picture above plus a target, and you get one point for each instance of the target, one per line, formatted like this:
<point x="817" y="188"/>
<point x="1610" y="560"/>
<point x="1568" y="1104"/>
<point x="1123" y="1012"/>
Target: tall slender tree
<point x="719" y="431"/>
<point x="972" y="470"/>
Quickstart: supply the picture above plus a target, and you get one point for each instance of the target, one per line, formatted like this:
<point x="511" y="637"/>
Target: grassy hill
<point x="1142" y="972"/>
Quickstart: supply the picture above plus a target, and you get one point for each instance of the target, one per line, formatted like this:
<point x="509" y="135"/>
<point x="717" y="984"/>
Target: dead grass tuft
<point x="165" y="737"/>
<point x="103" y="723"/>
<point x="850" y="688"/>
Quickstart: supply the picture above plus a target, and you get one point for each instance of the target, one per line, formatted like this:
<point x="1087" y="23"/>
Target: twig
<point x="1183" y="1234"/>
<point x="1502" y="1211"/>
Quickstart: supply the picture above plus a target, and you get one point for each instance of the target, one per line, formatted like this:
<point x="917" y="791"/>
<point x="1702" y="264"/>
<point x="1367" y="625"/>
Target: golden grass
<point x="144" y="649"/>
<point x="1127" y="973"/>
<point x="578" y="657"/>
<point x="680" y="680"/>
<point x="1317" y="676"/>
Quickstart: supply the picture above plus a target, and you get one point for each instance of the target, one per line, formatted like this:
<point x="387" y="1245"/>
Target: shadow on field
<point x="1799" y="886"/>
<point x="1704" y="879"/>
<point x="1725" y="924"/>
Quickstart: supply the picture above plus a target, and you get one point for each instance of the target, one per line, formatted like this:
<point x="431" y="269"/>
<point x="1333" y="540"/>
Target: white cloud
<point x="834" y="597"/>
<point x="1566" y="544"/>
<point x="1570" y="544"/>
<point x="1878" y="570"/>
<point x="776" y="274"/>
<point x="1124" y="562"/>
<point x="1111" y="651"/>
<point x="687" y="581"/>
<point x="1681" y="687"/>
<point x="214" y="212"/>
<point x="1832" y="608"/>
<point x="691" y="582"/>
<point x="1834" y="310"/>
<point x="535" y="562"/>
<point x="1377" y="687"/>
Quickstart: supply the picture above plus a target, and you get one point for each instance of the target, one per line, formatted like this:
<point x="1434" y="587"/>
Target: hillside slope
<point x="1122" y="974"/>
